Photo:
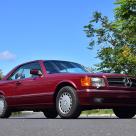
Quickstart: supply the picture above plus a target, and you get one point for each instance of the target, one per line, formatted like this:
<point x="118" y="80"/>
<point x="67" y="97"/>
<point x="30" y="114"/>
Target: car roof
<point x="45" y="61"/>
<point x="60" y="61"/>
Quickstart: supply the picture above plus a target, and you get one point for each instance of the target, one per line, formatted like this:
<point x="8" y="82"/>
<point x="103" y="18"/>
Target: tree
<point x="116" y="39"/>
<point x="126" y="19"/>
<point x="0" y="74"/>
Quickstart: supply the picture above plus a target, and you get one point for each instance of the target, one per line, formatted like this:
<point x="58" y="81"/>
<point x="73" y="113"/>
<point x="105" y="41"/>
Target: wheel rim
<point x="65" y="103"/>
<point x="1" y="105"/>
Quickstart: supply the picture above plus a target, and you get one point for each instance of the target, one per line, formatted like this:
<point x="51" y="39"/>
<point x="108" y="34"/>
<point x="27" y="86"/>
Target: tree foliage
<point x="116" y="39"/>
<point x="125" y="15"/>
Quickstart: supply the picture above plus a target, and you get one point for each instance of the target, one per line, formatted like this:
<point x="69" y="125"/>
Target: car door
<point x="30" y="89"/>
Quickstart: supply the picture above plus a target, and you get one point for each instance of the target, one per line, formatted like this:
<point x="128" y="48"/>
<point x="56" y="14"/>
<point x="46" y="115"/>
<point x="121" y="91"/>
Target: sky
<point x="47" y="29"/>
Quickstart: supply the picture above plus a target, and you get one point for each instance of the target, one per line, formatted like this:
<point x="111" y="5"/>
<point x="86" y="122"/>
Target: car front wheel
<point x="124" y="112"/>
<point x="50" y="113"/>
<point x="4" y="111"/>
<point x="67" y="103"/>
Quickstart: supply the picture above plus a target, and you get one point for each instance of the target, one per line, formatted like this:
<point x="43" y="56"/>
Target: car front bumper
<point x="95" y="98"/>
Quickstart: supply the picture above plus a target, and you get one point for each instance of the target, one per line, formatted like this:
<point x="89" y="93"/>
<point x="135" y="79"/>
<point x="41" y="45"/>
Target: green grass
<point x="98" y="111"/>
<point x="89" y="112"/>
<point x="16" y="113"/>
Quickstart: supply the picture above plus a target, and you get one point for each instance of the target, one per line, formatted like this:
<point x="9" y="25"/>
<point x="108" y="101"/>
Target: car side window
<point x="17" y="74"/>
<point x="50" y="67"/>
<point x="24" y="71"/>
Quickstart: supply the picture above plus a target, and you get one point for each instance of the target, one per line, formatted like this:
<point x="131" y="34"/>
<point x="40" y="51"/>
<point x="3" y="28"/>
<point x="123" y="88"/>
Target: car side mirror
<point x="36" y="72"/>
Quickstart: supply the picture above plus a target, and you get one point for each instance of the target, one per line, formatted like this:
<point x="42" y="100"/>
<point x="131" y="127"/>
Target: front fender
<point x="67" y="82"/>
<point x="2" y="93"/>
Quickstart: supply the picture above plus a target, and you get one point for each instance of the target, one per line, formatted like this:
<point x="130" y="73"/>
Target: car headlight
<point x="98" y="82"/>
<point x="92" y="81"/>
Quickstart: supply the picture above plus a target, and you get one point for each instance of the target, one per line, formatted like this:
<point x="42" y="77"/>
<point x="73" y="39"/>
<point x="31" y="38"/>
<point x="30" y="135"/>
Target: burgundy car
<point x="65" y="88"/>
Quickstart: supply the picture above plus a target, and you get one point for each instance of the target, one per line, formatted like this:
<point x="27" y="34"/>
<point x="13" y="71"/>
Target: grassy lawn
<point x="89" y="112"/>
<point x="98" y="111"/>
<point x="16" y="113"/>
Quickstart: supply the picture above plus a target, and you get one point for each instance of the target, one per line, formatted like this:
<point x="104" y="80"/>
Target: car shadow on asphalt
<point x="82" y="118"/>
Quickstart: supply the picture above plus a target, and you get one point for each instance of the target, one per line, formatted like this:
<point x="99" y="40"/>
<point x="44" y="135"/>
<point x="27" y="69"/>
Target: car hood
<point x="108" y="75"/>
<point x="91" y="74"/>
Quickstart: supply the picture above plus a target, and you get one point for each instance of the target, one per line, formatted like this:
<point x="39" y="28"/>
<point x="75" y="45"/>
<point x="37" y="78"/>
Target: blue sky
<point x="47" y="29"/>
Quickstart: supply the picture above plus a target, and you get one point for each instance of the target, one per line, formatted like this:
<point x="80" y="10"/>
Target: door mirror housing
<point x="36" y="72"/>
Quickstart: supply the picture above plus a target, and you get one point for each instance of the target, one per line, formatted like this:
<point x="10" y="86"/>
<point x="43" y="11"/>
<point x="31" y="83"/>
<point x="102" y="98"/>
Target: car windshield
<point x="63" y="67"/>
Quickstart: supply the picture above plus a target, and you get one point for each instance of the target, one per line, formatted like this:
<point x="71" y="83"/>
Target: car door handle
<point x="18" y="83"/>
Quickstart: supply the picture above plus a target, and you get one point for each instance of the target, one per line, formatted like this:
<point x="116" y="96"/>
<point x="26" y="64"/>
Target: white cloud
<point x="7" y="55"/>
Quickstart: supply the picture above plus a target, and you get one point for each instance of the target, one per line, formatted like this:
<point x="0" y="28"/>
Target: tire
<point x="4" y="111"/>
<point x="124" y="112"/>
<point x="50" y="113"/>
<point x="67" y="103"/>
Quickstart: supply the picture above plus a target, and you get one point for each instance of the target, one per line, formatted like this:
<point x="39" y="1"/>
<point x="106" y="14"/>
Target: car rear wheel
<point x="124" y="112"/>
<point x="67" y="103"/>
<point x="4" y="111"/>
<point x="50" y="113"/>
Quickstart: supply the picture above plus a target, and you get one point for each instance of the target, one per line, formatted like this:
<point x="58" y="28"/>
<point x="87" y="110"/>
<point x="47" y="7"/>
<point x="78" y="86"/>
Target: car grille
<point x="122" y="82"/>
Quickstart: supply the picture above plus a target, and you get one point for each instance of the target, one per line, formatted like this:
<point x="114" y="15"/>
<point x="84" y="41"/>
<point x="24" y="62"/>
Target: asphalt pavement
<point x="37" y="125"/>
